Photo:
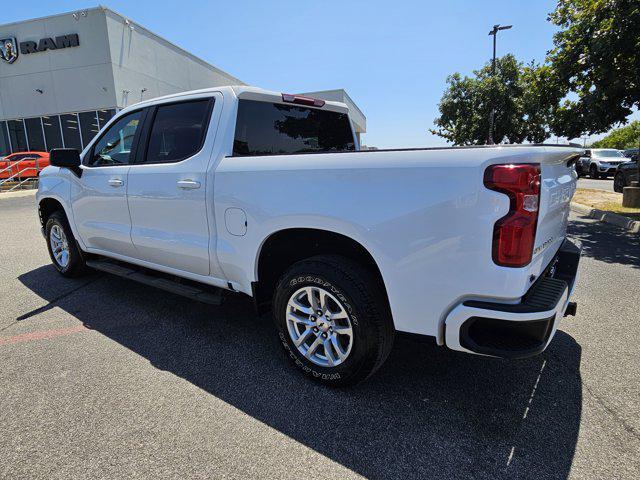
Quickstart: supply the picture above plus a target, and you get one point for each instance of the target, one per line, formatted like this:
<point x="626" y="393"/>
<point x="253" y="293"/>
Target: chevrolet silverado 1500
<point x="241" y="189"/>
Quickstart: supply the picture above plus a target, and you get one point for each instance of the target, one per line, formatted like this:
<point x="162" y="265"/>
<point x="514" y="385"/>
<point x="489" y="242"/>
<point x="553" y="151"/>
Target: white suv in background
<point x="600" y="162"/>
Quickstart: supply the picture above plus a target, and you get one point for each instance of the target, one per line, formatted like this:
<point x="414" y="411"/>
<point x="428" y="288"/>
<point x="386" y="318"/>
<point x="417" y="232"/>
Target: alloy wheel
<point x="319" y="326"/>
<point x="59" y="245"/>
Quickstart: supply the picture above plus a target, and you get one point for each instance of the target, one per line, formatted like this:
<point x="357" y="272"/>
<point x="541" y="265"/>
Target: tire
<point x="618" y="182"/>
<point x="69" y="261"/>
<point x="354" y="294"/>
<point x="593" y="172"/>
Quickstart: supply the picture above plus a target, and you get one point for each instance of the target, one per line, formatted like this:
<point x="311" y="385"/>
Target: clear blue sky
<point x="391" y="57"/>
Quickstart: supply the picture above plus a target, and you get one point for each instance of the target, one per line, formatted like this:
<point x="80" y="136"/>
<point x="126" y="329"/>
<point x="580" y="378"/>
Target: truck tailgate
<point x="557" y="186"/>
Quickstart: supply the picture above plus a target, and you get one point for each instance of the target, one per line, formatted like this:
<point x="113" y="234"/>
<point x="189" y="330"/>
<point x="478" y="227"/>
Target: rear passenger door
<point x="167" y="191"/>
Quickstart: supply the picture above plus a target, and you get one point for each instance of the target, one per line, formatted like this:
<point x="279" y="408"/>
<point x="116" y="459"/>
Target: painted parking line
<point x="42" y="335"/>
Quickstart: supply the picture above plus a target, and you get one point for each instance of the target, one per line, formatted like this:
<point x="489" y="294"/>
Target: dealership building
<point x="63" y="77"/>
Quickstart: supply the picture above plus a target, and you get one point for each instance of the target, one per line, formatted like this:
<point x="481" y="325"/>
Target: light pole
<point x="494" y="31"/>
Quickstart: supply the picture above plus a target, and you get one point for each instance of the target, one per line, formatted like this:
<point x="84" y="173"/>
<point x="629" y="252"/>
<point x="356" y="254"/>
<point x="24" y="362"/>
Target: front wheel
<point x="63" y="250"/>
<point x="333" y="320"/>
<point x="593" y="172"/>
<point x="618" y="182"/>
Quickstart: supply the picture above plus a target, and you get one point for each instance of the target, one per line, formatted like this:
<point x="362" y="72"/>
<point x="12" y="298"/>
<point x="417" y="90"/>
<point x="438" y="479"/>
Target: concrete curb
<point x="631" y="226"/>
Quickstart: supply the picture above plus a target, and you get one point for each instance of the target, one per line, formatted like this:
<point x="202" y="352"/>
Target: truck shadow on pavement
<point x="606" y="242"/>
<point x="429" y="412"/>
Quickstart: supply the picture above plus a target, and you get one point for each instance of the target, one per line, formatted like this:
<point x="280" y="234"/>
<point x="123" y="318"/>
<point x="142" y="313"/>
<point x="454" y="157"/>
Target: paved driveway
<point x="606" y="184"/>
<point x="104" y="378"/>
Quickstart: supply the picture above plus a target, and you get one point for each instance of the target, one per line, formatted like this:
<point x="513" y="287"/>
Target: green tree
<point x="621" y="138"/>
<point x="518" y="93"/>
<point x="595" y="65"/>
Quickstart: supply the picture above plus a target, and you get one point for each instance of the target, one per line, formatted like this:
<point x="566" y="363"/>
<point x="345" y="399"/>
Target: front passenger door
<point x="99" y="200"/>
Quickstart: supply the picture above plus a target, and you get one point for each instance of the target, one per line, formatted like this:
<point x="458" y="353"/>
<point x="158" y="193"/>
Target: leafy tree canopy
<point x="518" y="93"/>
<point x="622" y="138"/>
<point x="589" y="82"/>
<point x="595" y="64"/>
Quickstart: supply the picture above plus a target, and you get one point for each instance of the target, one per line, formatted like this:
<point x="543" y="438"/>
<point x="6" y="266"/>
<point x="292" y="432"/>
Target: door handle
<point x="115" y="182"/>
<point x="188" y="184"/>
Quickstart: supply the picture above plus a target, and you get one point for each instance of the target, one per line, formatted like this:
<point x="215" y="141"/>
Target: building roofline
<point x="345" y="94"/>
<point x="182" y="50"/>
<point x="142" y="27"/>
<point x="37" y="19"/>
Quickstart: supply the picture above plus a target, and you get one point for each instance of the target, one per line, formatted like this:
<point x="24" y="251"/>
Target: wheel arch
<point x="47" y="206"/>
<point x="283" y="248"/>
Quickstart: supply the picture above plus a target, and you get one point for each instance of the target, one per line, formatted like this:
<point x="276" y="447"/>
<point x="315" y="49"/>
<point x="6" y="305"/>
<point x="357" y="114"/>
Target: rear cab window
<point x="266" y="128"/>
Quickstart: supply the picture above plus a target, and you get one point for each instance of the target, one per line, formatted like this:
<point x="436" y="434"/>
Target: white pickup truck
<point x="241" y="189"/>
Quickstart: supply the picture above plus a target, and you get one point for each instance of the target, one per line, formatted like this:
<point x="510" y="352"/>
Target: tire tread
<point x="368" y="297"/>
<point x="77" y="266"/>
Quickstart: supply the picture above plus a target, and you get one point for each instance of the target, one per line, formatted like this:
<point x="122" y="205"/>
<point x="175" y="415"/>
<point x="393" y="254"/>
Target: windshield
<point x="607" y="153"/>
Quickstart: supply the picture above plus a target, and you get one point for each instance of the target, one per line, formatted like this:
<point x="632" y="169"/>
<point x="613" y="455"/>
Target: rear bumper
<point x="522" y="329"/>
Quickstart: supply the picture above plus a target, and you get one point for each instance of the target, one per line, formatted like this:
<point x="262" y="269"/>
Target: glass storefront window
<point x="88" y="126"/>
<point x="34" y="134"/>
<point x="71" y="131"/>
<point x="5" y="148"/>
<point x="52" y="133"/>
<point x="17" y="136"/>
<point x="104" y="116"/>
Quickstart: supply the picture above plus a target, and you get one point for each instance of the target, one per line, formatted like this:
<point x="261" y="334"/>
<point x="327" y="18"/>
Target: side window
<point x="114" y="146"/>
<point x="178" y="131"/>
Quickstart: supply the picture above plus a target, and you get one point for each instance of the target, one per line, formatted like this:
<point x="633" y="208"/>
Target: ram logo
<point x="9" y="49"/>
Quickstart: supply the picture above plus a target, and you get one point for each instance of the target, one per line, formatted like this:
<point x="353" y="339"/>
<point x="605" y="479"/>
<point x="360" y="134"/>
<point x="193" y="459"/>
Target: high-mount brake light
<point x="514" y="234"/>
<point x="301" y="100"/>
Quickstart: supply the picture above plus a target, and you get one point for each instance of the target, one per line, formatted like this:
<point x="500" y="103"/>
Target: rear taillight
<point x="515" y="233"/>
<point x="301" y="100"/>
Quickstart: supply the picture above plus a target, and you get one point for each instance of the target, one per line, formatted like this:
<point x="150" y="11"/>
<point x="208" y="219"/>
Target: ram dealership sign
<point x="9" y="47"/>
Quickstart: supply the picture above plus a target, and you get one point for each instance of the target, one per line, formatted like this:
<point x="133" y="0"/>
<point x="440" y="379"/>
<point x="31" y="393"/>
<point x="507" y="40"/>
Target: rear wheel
<point x="63" y="249"/>
<point x="618" y="182"/>
<point x="333" y="320"/>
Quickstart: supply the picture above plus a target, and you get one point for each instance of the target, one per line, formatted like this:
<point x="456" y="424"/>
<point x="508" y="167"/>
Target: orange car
<point x="23" y="164"/>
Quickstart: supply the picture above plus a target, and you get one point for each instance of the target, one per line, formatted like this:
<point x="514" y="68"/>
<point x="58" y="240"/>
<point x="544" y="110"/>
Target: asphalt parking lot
<point x="604" y="184"/>
<point x="104" y="378"/>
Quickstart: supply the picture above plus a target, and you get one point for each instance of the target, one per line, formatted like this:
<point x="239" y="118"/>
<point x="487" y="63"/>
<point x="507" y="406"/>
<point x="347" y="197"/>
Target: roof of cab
<point x="239" y="91"/>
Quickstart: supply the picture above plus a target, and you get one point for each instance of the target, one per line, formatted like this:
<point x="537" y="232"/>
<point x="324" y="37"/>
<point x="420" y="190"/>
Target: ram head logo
<point x="9" y="49"/>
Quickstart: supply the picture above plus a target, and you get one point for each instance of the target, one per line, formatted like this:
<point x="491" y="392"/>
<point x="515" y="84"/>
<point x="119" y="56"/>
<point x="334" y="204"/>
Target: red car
<point x="24" y="164"/>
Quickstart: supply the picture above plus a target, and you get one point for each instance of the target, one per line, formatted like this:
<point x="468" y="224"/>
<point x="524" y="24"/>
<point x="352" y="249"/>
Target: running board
<point x="211" y="295"/>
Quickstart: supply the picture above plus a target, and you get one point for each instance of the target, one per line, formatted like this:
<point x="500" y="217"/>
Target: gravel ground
<point x="104" y="378"/>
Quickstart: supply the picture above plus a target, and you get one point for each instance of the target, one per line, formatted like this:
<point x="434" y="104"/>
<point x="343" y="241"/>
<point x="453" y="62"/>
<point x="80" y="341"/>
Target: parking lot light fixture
<point x="494" y="31"/>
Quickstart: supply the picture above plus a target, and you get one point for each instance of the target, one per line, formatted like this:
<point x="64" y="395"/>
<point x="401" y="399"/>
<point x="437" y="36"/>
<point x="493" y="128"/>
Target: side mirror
<point x="66" y="158"/>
